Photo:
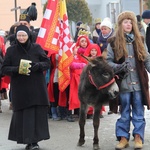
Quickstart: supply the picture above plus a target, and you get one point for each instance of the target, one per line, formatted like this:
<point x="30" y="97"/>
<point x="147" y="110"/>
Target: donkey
<point x="97" y="86"/>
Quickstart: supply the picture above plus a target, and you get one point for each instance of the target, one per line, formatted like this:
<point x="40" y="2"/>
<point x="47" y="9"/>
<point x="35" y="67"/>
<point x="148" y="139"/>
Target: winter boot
<point x="137" y="142"/>
<point x="123" y="143"/>
<point x="62" y="112"/>
<point x="54" y="114"/>
<point x="2" y="96"/>
<point x="69" y="116"/>
<point x="0" y="106"/>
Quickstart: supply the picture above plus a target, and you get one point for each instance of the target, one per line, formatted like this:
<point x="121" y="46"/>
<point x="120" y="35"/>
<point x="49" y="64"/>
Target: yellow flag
<point x="65" y="54"/>
<point x="63" y="9"/>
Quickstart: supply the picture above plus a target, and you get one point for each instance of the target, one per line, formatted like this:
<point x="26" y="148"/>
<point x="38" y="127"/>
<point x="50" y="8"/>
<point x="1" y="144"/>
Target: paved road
<point x="64" y="135"/>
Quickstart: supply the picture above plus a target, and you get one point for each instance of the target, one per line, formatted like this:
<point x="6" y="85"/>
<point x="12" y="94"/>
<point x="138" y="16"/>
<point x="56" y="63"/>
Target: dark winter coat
<point x="102" y="41"/>
<point x="148" y="37"/>
<point x="26" y="90"/>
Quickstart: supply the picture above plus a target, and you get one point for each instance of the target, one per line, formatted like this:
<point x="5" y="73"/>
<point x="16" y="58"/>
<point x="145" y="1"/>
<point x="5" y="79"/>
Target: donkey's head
<point x="101" y="76"/>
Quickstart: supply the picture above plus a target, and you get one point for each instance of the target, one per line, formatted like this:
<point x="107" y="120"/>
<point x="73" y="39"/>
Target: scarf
<point x="129" y="37"/>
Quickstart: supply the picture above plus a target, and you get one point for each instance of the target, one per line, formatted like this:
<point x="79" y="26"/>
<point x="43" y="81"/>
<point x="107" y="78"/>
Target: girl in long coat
<point x="29" y="123"/>
<point x="127" y="54"/>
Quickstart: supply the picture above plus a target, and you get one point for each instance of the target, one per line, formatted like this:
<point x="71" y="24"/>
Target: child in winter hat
<point x="106" y="32"/>
<point x="93" y="50"/>
<point x="106" y="22"/>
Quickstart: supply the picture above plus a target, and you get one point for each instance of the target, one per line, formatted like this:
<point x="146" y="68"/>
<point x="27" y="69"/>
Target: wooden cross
<point x="15" y="9"/>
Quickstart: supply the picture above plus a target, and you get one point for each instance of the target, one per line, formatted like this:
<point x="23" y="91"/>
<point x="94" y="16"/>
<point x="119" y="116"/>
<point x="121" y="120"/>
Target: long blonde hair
<point x="120" y="41"/>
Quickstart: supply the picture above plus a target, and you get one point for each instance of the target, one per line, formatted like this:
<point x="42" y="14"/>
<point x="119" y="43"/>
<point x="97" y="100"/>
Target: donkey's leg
<point x="82" y="119"/>
<point x="96" y="122"/>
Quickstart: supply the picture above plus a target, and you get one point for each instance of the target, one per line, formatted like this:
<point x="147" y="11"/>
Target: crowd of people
<point x="31" y="78"/>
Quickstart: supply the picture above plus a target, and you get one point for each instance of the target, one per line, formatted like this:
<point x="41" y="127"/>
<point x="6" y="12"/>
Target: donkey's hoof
<point x="96" y="147"/>
<point x="80" y="143"/>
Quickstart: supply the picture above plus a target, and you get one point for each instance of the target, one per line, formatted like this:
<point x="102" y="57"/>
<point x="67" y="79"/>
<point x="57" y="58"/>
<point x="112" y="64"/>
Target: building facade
<point x="98" y="8"/>
<point x="111" y="8"/>
<point x="9" y="16"/>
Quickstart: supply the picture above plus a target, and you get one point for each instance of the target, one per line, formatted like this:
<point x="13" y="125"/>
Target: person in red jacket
<point x="3" y="84"/>
<point x="76" y="68"/>
<point x="82" y="44"/>
<point x="58" y="100"/>
<point x="53" y="90"/>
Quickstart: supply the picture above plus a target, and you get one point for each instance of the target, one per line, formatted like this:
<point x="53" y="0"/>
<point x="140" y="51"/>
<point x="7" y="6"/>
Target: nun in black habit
<point x="25" y="62"/>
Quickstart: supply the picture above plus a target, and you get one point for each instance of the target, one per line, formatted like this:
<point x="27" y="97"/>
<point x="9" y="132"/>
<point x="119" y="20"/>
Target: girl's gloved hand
<point x="124" y="67"/>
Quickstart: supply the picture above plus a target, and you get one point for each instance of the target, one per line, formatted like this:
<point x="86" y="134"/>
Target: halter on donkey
<point x="97" y="86"/>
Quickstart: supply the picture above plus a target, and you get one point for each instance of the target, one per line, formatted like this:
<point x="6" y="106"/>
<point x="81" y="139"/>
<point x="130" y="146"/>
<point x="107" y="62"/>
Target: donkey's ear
<point x="92" y="64"/>
<point x="89" y="59"/>
<point x="100" y="58"/>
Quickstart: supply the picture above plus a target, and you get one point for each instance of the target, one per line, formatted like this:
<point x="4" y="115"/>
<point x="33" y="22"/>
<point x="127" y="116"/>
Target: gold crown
<point x="23" y="16"/>
<point x="98" y="20"/>
<point x="84" y="26"/>
<point x="83" y="32"/>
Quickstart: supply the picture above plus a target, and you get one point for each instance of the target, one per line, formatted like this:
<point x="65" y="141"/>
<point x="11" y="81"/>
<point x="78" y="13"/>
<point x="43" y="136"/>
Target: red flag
<point x="54" y="36"/>
<point x="48" y="35"/>
<point x="65" y="54"/>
